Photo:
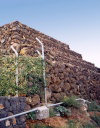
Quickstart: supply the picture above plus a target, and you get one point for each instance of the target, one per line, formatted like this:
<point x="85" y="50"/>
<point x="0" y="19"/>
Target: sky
<point x="74" y="22"/>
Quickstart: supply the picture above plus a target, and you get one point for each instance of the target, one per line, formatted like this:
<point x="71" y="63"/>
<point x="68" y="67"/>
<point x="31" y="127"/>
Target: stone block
<point x="42" y="113"/>
<point x="1" y="106"/>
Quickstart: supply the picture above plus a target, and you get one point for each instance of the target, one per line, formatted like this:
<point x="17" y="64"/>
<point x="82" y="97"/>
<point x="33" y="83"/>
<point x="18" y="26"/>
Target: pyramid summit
<point x="67" y="73"/>
<point x="26" y="34"/>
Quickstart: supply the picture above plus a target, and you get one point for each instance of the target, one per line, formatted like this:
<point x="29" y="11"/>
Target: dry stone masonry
<point x="12" y="106"/>
<point x="67" y="73"/>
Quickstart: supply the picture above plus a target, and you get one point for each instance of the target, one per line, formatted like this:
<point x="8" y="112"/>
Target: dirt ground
<point x="62" y="122"/>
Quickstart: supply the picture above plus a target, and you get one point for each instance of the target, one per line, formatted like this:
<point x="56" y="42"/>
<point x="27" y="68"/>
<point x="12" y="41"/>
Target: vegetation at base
<point x="31" y="115"/>
<point x="71" y="102"/>
<point x="30" y="75"/>
<point x="88" y="126"/>
<point x="93" y="106"/>
<point x="71" y="124"/>
<point x="63" y="111"/>
<point x="40" y="126"/>
<point x="96" y="119"/>
<point x="52" y="112"/>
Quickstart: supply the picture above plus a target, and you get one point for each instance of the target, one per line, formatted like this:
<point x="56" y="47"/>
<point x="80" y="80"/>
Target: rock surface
<point x="33" y="101"/>
<point x="66" y="71"/>
<point x="12" y="106"/>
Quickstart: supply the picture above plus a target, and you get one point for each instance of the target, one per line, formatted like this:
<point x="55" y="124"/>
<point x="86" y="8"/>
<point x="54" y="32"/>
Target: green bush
<point x="31" y="115"/>
<point x="96" y="119"/>
<point x="30" y="70"/>
<point x="71" y="124"/>
<point x="71" y="102"/>
<point x="89" y="126"/>
<point x="93" y="106"/>
<point x="52" y="112"/>
<point x="63" y="111"/>
<point x="41" y="126"/>
<point x="7" y="76"/>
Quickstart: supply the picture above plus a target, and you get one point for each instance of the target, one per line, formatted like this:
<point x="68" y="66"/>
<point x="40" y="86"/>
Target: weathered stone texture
<point x="9" y="107"/>
<point x="67" y="72"/>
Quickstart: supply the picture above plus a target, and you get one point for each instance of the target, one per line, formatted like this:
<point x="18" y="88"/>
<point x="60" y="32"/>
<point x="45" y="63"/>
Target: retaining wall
<point x="9" y="107"/>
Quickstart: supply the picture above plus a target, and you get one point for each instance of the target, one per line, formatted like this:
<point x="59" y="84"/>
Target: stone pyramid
<point x="67" y="73"/>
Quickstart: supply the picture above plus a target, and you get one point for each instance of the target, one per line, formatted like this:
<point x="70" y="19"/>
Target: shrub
<point x="71" y="124"/>
<point x="63" y="111"/>
<point x="93" y="106"/>
<point x="52" y="112"/>
<point x="41" y="126"/>
<point x="7" y="76"/>
<point x="28" y="67"/>
<point x="71" y="102"/>
<point x="31" y="115"/>
<point x="89" y="126"/>
<point x="96" y="119"/>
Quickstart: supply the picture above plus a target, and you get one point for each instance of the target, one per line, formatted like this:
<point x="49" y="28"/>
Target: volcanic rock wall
<point x="67" y="73"/>
<point x="10" y="107"/>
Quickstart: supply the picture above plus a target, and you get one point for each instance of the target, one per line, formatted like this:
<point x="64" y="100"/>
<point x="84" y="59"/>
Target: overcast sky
<point x="75" y="22"/>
